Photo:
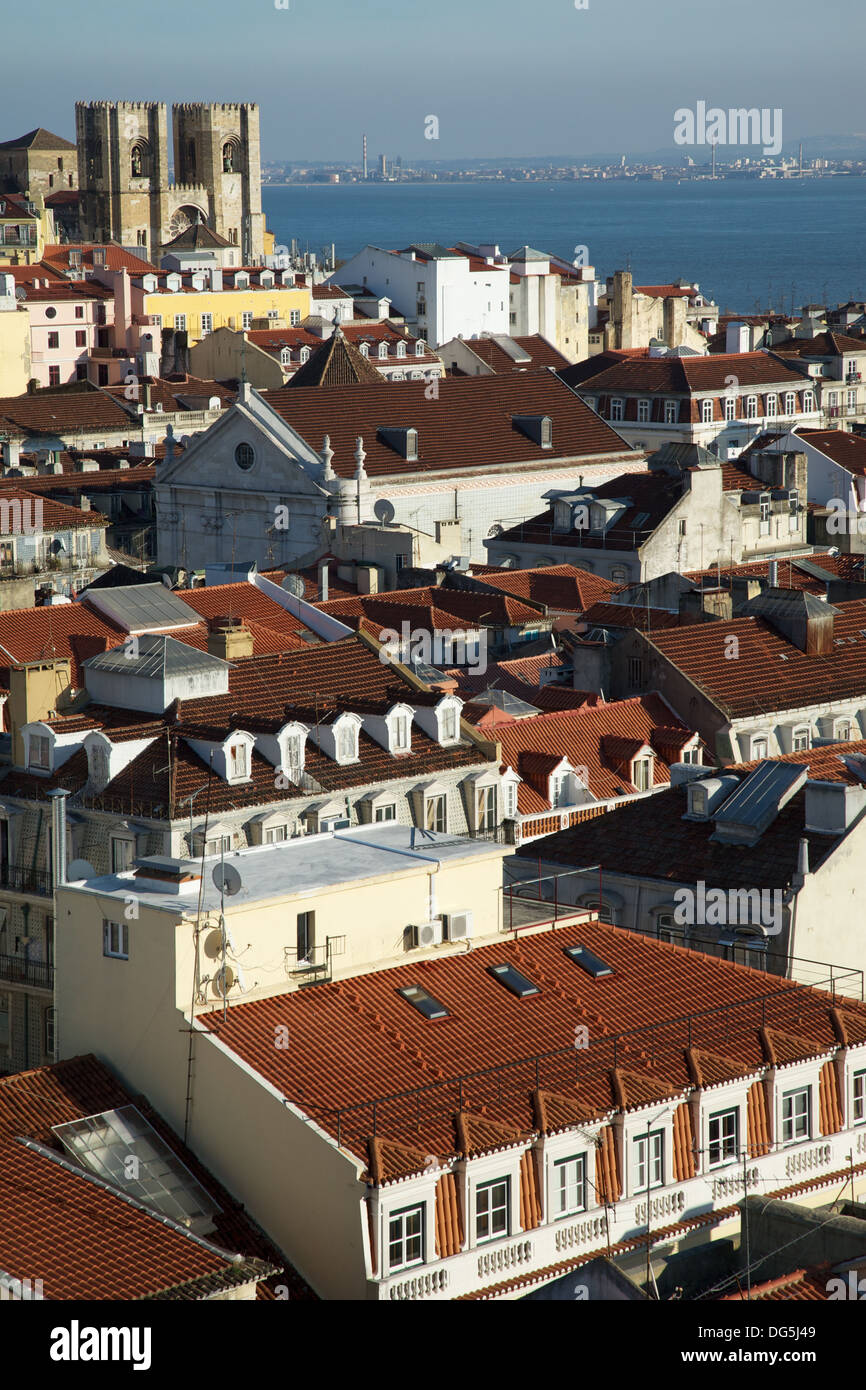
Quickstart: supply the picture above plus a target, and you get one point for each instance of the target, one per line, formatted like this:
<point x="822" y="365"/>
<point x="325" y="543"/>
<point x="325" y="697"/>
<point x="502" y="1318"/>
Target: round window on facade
<point x="245" y="456"/>
<point x="51" y="312"/>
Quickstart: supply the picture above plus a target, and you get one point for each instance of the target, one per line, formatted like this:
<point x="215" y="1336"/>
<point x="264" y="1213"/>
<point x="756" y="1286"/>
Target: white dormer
<point x="285" y="749"/>
<point x="441" y="721"/>
<point x="199" y="280"/>
<point x="392" y="730"/>
<point x="285" y="357"/>
<point x="174" y="283"/>
<point x="305" y="354"/>
<point x="401" y="349"/>
<point x="266" y="278"/>
<point x="510" y="782"/>
<point x="47" y="748"/>
<point x="339" y="739"/>
<point x="383" y="351"/>
<point x="98" y="749"/>
<point x="365" y="349"/>
<point x="242" y="281"/>
<point x="232" y="759"/>
<point x="149" y="284"/>
<point x="420" y="348"/>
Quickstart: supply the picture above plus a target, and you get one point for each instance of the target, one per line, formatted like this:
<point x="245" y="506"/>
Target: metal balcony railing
<point x="21" y="878"/>
<point x="18" y="970"/>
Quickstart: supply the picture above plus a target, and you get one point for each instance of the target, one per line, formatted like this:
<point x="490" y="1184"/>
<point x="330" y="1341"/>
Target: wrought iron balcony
<point x="21" y="878"/>
<point x="18" y="970"/>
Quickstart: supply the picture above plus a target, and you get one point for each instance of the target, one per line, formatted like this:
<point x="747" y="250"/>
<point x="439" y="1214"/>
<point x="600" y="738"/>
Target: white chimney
<point x="737" y="337"/>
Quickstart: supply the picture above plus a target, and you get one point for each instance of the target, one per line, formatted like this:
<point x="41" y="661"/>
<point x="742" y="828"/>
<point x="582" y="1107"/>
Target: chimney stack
<point x="229" y="639"/>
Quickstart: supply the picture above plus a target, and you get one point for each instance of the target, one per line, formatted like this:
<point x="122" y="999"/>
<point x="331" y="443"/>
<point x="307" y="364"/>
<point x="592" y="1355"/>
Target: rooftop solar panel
<point x="765" y="789"/>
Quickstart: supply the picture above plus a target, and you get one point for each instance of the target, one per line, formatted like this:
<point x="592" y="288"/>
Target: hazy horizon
<point x="497" y="76"/>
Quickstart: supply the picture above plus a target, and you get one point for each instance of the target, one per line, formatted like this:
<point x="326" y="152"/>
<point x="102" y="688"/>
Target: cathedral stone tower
<point x="123" y="173"/>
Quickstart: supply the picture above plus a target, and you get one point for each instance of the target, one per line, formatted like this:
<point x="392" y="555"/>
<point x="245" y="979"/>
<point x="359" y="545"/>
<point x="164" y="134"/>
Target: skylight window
<point x="512" y="979"/>
<point x="123" y="1149"/>
<point x="423" y="1002"/>
<point x="592" y="964"/>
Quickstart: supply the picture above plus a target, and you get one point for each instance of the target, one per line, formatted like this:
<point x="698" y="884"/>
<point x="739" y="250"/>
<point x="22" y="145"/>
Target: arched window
<point x="231" y="153"/>
<point x="383" y="351"/>
<point x="401" y="349"/>
<point x="139" y="159"/>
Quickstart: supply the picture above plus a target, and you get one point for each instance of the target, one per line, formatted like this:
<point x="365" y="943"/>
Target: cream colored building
<point x="477" y="1117"/>
<point x="15" y="368"/>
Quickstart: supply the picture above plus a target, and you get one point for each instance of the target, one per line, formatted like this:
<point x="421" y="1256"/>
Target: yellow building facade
<point x="200" y="312"/>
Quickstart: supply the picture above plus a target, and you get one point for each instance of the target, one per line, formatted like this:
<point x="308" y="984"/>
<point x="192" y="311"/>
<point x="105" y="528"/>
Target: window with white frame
<point x="858" y="1097"/>
<point x="294" y="748"/>
<point x="238" y="760"/>
<point x="851" y="399"/>
<point x="833" y="399"/>
<point x="406" y="1238"/>
<point x="808" y="401"/>
<point x="218" y="844"/>
<point x="40" y="752"/>
<point x="385" y="813"/>
<point x="365" y="349"/>
<point x="707" y="412"/>
<point x="672" y="411"/>
<point x="115" y="939"/>
<point x="420" y="348"/>
<point x="294" y="318"/>
<point x="790" y="402"/>
<point x="643" y="412"/>
<point x="509" y="797"/>
<point x="247" y="318"/>
<point x="449" y="725"/>
<point x="285" y="357"/>
<point x="180" y="323"/>
<point x="690" y="755"/>
<point x="759" y="747"/>
<point x="724" y="1136"/>
<point x="751" y="407"/>
<point x="616" y="410"/>
<point x="276" y="834"/>
<point x="796" y="1115"/>
<point x="642" y="774"/>
<point x="648" y="1152"/>
<point x="122" y="853"/>
<point x="485" y="808"/>
<point x="491" y="1209"/>
<point x="569" y="1185"/>
<point x="304" y="355"/>
<point x="802" y="739"/>
<point x="401" y="349"/>
<point x="434" y="812"/>
<point x="772" y="407"/>
<point x="666" y="929"/>
<point x="842" y="730"/>
<point x="400" y="733"/>
<point x="383" y="350"/>
<point x="347" y="743"/>
<point x="206" y="324"/>
<point x="730" y="407"/>
<point x="99" y="764"/>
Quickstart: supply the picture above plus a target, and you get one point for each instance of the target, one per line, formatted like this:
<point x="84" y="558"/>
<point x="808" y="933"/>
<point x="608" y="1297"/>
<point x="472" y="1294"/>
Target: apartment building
<point x="483" y="451"/>
<point x="687" y="511"/>
<point x="272" y="357"/>
<point x="199" y="722"/>
<point x="15" y="366"/>
<point x="524" y="1106"/>
<point x="756" y="863"/>
<point x="838" y="363"/>
<point x="721" y="402"/>
<point x="785" y="673"/>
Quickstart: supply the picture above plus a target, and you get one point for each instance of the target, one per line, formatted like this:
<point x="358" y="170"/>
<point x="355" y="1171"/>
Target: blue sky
<point x="517" y="77"/>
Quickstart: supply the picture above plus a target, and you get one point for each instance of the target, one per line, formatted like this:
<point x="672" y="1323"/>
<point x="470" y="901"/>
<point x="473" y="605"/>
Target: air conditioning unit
<point x="458" y="926"/>
<point x="427" y="933"/>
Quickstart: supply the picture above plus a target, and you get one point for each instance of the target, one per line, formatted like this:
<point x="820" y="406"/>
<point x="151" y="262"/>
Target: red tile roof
<point x="771" y="673"/>
<point x="602" y="740"/>
<point x="84" y="1239"/>
<point x="52" y="516"/>
<point x="844" y="448"/>
<point x="469" y="425"/>
<point x="487" y="1028"/>
<point x="828" y="344"/>
<point x="650" y="496"/>
<point x="433" y="607"/>
<point x="63" y="412"/>
<point x="685" y="375"/>
<point x="562" y="588"/>
<point x="537" y="352"/>
<point x="116" y="258"/>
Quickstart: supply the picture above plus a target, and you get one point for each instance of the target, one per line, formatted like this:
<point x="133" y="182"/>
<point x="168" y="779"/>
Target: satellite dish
<point x="495" y="530"/>
<point x="384" y="511"/>
<point x="226" y="879"/>
<point x="213" y="945"/>
<point x="223" y="980"/>
<point x="294" y="584"/>
<point x="20" y="292"/>
<point x="80" y="868"/>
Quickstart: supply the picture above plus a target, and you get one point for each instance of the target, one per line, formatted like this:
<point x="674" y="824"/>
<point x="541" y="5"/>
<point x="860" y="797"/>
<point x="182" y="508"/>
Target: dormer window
<point x="238" y="760"/>
<point x="642" y="773"/>
<point x="39" y="753"/>
<point x="449" y="724"/>
<point x="305" y="354"/>
<point x="400" y="733"/>
<point x="383" y="351"/>
<point x="790" y="402"/>
<point x="293" y="756"/>
<point x="365" y="349"/>
<point x="285" y="357"/>
<point x="420" y="348"/>
<point x="697" y="796"/>
<point x="98" y="761"/>
<point x="347" y="742"/>
<point x="401" y="349"/>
